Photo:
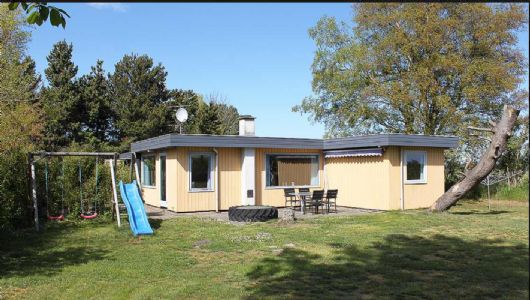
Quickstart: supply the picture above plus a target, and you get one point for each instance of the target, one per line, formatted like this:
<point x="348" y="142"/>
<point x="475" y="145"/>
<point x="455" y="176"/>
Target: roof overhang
<point x="236" y="141"/>
<point x="223" y="141"/>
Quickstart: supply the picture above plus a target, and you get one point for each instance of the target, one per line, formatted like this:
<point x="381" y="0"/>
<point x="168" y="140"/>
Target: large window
<point x="148" y="170"/>
<point x="289" y="170"/>
<point x="415" y="162"/>
<point x="201" y="171"/>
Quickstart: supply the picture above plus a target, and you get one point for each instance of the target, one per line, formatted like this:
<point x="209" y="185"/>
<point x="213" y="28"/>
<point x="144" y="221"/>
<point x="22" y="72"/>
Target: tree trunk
<point x="502" y="132"/>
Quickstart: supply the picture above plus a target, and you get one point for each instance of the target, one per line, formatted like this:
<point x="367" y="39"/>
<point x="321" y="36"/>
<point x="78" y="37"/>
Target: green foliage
<point x="517" y="192"/>
<point x="61" y="99"/>
<point x="192" y="102"/>
<point x="64" y="192"/>
<point x="429" y="68"/>
<point x="38" y="13"/>
<point x="20" y="120"/>
<point x="210" y="122"/>
<point x="18" y="79"/>
<point x="97" y="122"/>
<point x="227" y="114"/>
<point x="214" y="117"/>
<point x="229" y="118"/>
<point x="515" y="158"/>
<point x="139" y="95"/>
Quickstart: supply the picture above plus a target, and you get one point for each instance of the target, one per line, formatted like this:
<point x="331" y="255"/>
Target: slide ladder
<point x="135" y="209"/>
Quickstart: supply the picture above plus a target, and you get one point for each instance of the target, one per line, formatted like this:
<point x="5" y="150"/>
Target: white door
<point x="163" y="202"/>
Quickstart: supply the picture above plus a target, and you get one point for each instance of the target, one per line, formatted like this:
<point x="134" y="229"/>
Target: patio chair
<point x="303" y="190"/>
<point x="289" y="197"/>
<point x="331" y="199"/>
<point x="316" y="200"/>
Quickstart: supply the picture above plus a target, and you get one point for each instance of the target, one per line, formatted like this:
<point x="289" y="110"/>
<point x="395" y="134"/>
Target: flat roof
<point x="236" y="141"/>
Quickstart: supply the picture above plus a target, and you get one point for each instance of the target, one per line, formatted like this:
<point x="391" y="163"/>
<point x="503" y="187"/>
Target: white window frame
<point x="415" y="181"/>
<point x="143" y="170"/>
<point x="267" y="187"/>
<point x="211" y="181"/>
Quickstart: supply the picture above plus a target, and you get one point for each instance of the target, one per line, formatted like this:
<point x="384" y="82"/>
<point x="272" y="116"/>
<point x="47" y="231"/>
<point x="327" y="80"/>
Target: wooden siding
<point x="418" y="195"/>
<point x="178" y="194"/>
<point x="274" y="196"/>
<point x="229" y="177"/>
<point x="362" y="181"/>
<point x="366" y="182"/>
<point x="374" y="182"/>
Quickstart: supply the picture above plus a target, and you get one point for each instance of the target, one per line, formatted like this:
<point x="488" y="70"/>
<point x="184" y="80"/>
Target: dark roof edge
<point x="230" y="141"/>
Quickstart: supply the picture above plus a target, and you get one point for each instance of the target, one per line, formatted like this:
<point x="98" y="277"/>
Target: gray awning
<point x="354" y="152"/>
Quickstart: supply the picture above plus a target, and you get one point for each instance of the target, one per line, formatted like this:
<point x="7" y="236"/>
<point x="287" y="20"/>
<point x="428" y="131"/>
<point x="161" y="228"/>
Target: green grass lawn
<point x="469" y="252"/>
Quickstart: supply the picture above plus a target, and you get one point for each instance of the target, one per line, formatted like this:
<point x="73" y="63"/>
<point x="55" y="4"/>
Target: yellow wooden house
<point x="190" y="173"/>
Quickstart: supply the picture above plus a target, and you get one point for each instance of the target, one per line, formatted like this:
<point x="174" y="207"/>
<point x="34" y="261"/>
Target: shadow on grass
<point x="155" y="223"/>
<point x="29" y="253"/>
<point x="399" y="267"/>
<point x="478" y="212"/>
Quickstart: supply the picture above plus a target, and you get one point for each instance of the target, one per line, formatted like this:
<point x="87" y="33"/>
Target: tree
<point x="97" y="114"/>
<point x="502" y="131"/>
<point x="192" y="102"/>
<point x="429" y="68"/>
<point x="139" y="98"/>
<point x="38" y="12"/>
<point x="210" y="122"/>
<point x="60" y="100"/>
<point x="20" y="120"/>
<point x="227" y="114"/>
<point x="515" y="158"/>
<point x="18" y="79"/>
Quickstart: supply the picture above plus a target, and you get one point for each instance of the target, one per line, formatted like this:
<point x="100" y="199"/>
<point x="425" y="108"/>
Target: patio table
<point x="302" y="196"/>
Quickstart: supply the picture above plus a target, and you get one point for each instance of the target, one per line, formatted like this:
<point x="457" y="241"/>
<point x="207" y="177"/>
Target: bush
<point x="519" y="192"/>
<point x="15" y="204"/>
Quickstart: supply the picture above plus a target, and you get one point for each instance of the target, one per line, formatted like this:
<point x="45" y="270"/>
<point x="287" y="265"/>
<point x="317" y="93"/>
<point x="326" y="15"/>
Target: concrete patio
<point x="164" y="214"/>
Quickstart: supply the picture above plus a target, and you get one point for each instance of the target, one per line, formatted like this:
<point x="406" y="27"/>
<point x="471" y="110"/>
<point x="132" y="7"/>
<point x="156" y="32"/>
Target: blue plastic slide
<point x="135" y="209"/>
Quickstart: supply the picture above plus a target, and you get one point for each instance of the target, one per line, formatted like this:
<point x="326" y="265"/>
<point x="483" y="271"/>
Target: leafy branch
<point x="38" y="13"/>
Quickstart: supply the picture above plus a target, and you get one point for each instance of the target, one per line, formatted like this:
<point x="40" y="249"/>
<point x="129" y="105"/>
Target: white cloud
<point x="113" y="6"/>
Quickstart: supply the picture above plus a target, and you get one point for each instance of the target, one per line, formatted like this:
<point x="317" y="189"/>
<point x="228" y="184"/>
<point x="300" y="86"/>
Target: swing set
<point x="92" y="211"/>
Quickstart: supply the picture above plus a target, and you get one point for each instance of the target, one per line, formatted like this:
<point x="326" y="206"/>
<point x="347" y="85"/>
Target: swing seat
<point x="56" y="218"/>
<point x="89" y="215"/>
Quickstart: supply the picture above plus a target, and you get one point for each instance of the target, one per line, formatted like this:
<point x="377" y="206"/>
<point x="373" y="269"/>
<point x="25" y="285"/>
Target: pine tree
<point x="210" y="122"/>
<point x="191" y="101"/>
<point x="98" y="117"/>
<point x="139" y="97"/>
<point x="228" y="114"/>
<point x="60" y="100"/>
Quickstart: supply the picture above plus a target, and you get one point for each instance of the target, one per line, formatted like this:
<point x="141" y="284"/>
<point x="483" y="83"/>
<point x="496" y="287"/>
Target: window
<point x="201" y="171"/>
<point x="415" y="166"/>
<point x="148" y="171"/>
<point x="289" y="170"/>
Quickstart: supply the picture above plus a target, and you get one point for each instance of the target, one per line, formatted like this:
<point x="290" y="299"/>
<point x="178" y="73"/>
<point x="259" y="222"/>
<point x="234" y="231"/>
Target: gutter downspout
<point x="402" y="181"/>
<point x="217" y="187"/>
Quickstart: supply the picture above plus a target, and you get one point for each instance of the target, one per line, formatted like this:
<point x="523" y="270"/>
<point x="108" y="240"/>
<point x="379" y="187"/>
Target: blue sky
<point x="257" y="55"/>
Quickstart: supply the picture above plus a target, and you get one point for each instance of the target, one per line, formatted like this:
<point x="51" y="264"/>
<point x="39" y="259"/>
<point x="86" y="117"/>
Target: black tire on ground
<point x="251" y="213"/>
